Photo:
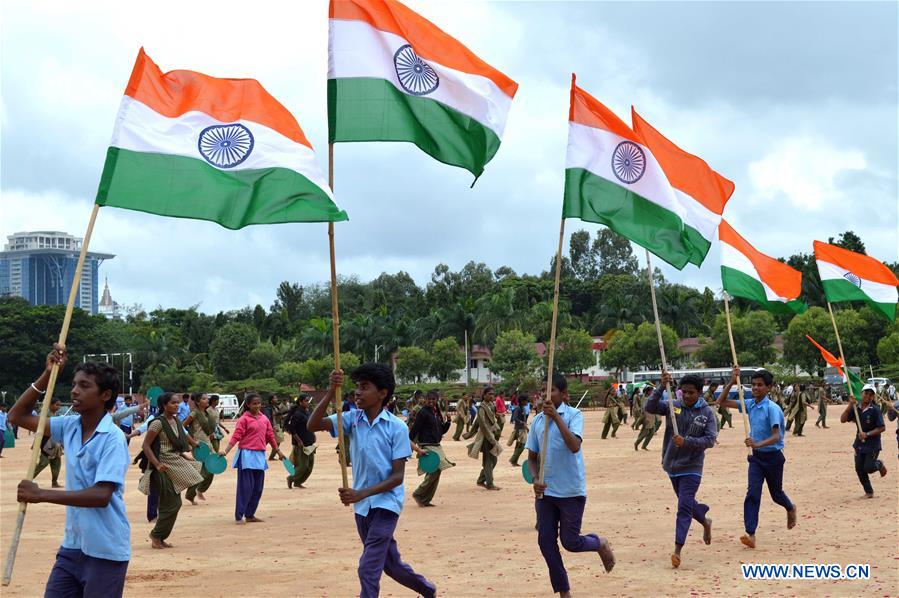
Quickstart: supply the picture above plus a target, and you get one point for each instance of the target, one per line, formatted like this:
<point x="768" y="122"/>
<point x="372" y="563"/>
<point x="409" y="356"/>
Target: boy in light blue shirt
<point x="379" y="444"/>
<point x="562" y="495"/>
<point x="766" y="439"/>
<point x="96" y="547"/>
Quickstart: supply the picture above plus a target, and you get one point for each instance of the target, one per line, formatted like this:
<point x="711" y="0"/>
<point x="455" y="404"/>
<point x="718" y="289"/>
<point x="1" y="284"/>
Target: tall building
<point x="107" y="307"/>
<point x="40" y="267"/>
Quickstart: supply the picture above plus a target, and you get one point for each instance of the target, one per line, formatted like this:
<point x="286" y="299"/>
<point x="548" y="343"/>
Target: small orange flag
<point x="827" y="355"/>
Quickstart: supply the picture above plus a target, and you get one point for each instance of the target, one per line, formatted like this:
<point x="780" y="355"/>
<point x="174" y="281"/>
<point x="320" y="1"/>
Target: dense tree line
<point x="603" y="293"/>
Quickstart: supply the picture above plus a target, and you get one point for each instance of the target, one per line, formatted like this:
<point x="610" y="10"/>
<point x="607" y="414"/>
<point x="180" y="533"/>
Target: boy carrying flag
<point x="379" y="445"/>
<point x="683" y="456"/>
<point x="766" y="439"/>
<point x="867" y="441"/>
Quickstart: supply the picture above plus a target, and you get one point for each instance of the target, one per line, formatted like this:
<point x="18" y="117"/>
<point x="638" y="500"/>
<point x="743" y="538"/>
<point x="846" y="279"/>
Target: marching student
<point x="561" y="498"/>
<point x="867" y="442"/>
<point x="683" y="454"/>
<point x="303" y="454"/>
<point x="462" y="418"/>
<point x="520" y="430"/>
<point x="252" y="432"/>
<point x="650" y="422"/>
<point x="215" y="416"/>
<point x="380" y="446"/>
<point x="766" y="439"/>
<point x="201" y="427"/>
<point x="96" y="547"/>
<point x="172" y="468"/>
<point x="426" y="433"/>
<point x="486" y="431"/>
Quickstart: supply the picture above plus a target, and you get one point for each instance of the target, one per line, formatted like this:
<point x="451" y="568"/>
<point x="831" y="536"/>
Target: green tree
<point x="816" y="323"/>
<point x="412" y="364"/>
<point x="290" y="373"/>
<point x="638" y="347"/>
<point x="574" y="351"/>
<point x="263" y="359"/>
<point x="229" y="350"/>
<point x="753" y="338"/>
<point x="849" y="240"/>
<point x="514" y="357"/>
<point x="888" y="348"/>
<point x="446" y="358"/>
<point x="583" y="256"/>
<point x="614" y="253"/>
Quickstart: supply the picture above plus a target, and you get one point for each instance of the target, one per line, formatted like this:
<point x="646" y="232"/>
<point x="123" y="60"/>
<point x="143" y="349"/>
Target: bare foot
<point x="156" y="543"/>
<point x="192" y="501"/>
<point x="675" y="560"/>
<point x="492" y="487"/>
<point x="791" y="518"/>
<point x="869" y="495"/>
<point x="254" y="520"/>
<point x="167" y="545"/>
<point x="748" y="540"/>
<point x="200" y="496"/>
<point x="883" y="470"/>
<point x="707" y="530"/>
<point x="606" y="554"/>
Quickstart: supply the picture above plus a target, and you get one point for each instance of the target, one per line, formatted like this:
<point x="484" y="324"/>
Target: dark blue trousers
<point x="764" y="467"/>
<point x="250" y="483"/>
<point x="380" y="554"/>
<point x="76" y="575"/>
<point x="559" y="520"/>
<point x="685" y="487"/>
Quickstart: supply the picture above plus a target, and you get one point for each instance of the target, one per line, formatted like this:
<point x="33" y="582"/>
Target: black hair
<point x="248" y="398"/>
<point x="692" y="380"/>
<point x="213" y="399"/>
<point x="765" y="376"/>
<point x="378" y="374"/>
<point x="560" y="382"/>
<point x="486" y="390"/>
<point x="304" y="396"/>
<point x="105" y="377"/>
<point x="417" y="393"/>
<point x="196" y="396"/>
<point x="523" y="399"/>
<point x="185" y="396"/>
<point x="433" y="393"/>
<point x="164" y="399"/>
<point x="55" y="400"/>
<point x="715" y="382"/>
<point x="128" y="397"/>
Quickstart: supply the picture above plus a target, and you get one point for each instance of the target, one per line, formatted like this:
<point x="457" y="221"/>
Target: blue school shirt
<point x="101" y="533"/>
<point x="563" y="472"/>
<point x="183" y="410"/>
<point x="248" y="459"/>
<point x="763" y="416"/>
<point x="3" y="417"/>
<point x="373" y="449"/>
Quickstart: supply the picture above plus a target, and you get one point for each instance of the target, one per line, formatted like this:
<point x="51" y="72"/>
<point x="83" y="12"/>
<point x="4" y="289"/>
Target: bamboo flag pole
<point x="858" y="421"/>
<point x="733" y="353"/>
<point x="552" y="351"/>
<point x="655" y="313"/>
<point x="48" y="395"/>
<point x="335" y="330"/>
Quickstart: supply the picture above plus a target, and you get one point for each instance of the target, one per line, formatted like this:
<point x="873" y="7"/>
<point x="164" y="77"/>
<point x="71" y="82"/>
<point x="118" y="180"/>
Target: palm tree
<point x="496" y="313"/>
<point x="316" y="338"/>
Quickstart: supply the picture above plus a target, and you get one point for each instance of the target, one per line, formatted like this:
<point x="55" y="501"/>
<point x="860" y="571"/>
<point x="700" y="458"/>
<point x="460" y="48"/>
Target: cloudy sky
<point x="795" y="102"/>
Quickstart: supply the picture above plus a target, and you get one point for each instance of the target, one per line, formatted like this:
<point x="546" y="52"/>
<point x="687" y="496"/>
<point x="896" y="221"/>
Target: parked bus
<point x="707" y="374"/>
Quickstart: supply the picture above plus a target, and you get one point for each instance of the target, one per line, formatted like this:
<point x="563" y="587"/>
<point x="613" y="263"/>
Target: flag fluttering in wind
<point x="749" y="273"/>
<point x="702" y="192"/>
<point x="831" y="359"/>
<point x="612" y="178"/>
<point x="849" y="276"/>
<point x="395" y="76"/>
<point x="193" y="146"/>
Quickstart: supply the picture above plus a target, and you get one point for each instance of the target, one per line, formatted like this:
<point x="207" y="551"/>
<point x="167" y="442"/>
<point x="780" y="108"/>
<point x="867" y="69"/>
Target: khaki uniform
<point x="462" y="417"/>
<point x="610" y="419"/>
<point x="822" y="408"/>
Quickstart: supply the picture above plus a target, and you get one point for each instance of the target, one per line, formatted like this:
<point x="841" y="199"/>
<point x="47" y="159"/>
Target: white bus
<point x="707" y="374"/>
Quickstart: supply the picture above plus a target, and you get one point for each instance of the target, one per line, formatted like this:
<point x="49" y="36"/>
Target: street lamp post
<point x="377" y="348"/>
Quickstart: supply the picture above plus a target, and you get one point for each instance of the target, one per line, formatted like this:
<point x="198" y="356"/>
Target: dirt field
<point x="480" y="543"/>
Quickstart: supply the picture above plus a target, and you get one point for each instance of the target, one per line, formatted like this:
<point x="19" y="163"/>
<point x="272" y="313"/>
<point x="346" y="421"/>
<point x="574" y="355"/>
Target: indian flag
<point x="613" y="178"/>
<point x="395" y="76"/>
<point x="701" y="191"/>
<point x="748" y="273"/>
<point x="193" y="146"/>
<point x="849" y="276"/>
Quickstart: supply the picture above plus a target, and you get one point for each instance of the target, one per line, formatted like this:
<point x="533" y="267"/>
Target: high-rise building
<point x="107" y="307"/>
<point x="40" y="267"/>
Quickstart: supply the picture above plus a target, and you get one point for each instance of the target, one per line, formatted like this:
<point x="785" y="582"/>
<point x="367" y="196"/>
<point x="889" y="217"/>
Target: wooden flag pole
<point x="858" y="420"/>
<point x="552" y="351"/>
<point x="655" y="313"/>
<point x="335" y="330"/>
<point x="733" y="353"/>
<point x="48" y="395"/>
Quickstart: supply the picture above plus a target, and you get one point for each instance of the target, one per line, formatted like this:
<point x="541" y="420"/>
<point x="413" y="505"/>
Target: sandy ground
<point x="480" y="543"/>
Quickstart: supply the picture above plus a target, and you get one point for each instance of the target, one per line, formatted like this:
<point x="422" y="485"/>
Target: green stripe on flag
<point x="183" y="187"/>
<point x="838" y="289"/>
<point x="594" y="199"/>
<point x="363" y="109"/>
<point x="854" y="385"/>
<point x="740" y="284"/>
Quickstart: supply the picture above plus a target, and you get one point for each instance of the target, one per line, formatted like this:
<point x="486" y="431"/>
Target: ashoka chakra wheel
<point x="225" y="146"/>
<point x="415" y="75"/>
<point x="853" y="279"/>
<point x="628" y="162"/>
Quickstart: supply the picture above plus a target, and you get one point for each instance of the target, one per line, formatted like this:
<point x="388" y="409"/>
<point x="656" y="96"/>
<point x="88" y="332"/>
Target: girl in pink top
<point x="252" y="432"/>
